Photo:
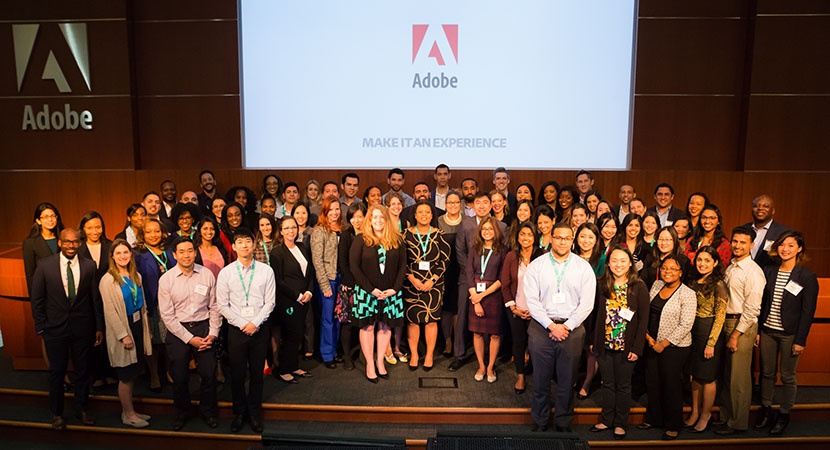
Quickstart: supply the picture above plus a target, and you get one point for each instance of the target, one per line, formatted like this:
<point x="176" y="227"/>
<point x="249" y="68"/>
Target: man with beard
<point x="469" y="189"/>
<point x="421" y="192"/>
<point x="207" y="180"/>
<point x="766" y="230"/>
<point x="395" y="179"/>
<point x="168" y="198"/>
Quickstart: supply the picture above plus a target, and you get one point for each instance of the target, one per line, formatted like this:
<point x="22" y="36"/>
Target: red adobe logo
<point x="450" y="34"/>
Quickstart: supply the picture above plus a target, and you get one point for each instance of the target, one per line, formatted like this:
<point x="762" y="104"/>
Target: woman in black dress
<point x="427" y="254"/>
<point x="378" y="263"/>
<point x="485" y="316"/>
<point x="345" y="300"/>
<point x="43" y="238"/>
<point x="449" y="224"/>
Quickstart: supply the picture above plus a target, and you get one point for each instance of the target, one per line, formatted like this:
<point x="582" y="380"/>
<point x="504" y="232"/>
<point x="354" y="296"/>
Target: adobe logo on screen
<point x="434" y="38"/>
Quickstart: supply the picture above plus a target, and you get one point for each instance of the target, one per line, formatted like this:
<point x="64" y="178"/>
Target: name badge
<point x="247" y="312"/>
<point x="626" y="314"/>
<point x="423" y="265"/>
<point x="669" y="223"/>
<point x="793" y="288"/>
<point x="481" y="287"/>
<point x="136" y="316"/>
<point x="558" y="298"/>
<point x="201" y="289"/>
<point x="767" y="245"/>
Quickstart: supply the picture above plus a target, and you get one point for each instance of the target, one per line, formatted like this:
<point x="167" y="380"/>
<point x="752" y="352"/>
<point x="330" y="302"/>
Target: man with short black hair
<point x="469" y="189"/>
<point x="152" y="204"/>
<point x="168" y="198"/>
<point x="584" y="183"/>
<point x="330" y="189"/>
<point x="664" y="195"/>
<point x="746" y="283"/>
<point x="421" y="192"/>
<point x="350" y="185"/>
<point x="559" y="288"/>
<point x="766" y="230"/>
<point x="207" y="181"/>
<point x="395" y="179"/>
<point x="187" y="306"/>
<point x="501" y="182"/>
<point x="290" y="196"/>
<point x="246" y="294"/>
<point x="442" y="177"/>
<point x="625" y="195"/>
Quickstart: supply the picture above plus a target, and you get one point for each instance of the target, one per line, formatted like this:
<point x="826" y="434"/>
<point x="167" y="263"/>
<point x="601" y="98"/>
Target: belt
<point x="193" y="324"/>
<point x="558" y="320"/>
<point x="733" y="316"/>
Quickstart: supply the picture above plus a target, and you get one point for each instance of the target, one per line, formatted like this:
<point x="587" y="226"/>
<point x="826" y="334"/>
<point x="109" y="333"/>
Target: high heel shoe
<point x="372" y="380"/>
<point x="580" y="395"/>
<point x="706" y="428"/>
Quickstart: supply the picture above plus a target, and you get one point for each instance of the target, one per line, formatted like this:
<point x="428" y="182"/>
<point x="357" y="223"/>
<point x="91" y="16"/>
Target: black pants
<point x="664" y="382"/>
<point x="247" y="354"/>
<point x="554" y="358"/>
<point x="179" y="354"/>
<point x="288" y="328"/>
<point x="616" y="370"/>
<point x="58" y="351"/>
<point x="518" y="330"/>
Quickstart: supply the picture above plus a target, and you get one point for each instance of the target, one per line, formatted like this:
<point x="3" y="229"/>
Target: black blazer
<point x="674" y="213"/>
<point x="291" y="283"/>
<point x="363" y="261"/>
<point x="797" y="311"/>
<point x="34" y="249"/>
<point x="104" y="265"/>
<point x="635" y="331"/>
<point x="762" y="258"/>
<point x="52" y="313"/>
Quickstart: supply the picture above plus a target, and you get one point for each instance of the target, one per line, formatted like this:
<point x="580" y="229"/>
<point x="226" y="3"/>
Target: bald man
<point x="766" y="230"/>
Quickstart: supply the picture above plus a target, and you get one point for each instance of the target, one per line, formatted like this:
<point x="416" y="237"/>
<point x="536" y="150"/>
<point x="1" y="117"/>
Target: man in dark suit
<point x="766" y="231"/>
<point x="68" y="314"/>
<point x="464" y="245"/>
<point x="664" y="195"/>
<point x="501" y="182"/>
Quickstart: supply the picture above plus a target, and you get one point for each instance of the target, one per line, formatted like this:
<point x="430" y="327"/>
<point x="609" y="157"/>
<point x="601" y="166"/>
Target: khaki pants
<point x="736" y="391"/>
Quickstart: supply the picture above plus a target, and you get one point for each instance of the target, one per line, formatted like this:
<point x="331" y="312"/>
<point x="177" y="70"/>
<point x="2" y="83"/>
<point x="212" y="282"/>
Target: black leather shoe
<point x="764" y="418"/>
<point x="597" y="428"/>
<point x="292" y="380"/>
<point x="455" y="365"/>
<point x="413" y="368"/>
<point x="372" y="380"/>
<point x="670" y="435"/>
<point x="58" y="423"/>
<point x="780" y="425"/>
<point x="564" y="429"/>
<point x="238" y="421"/>
<point x="338" y="359"/>
<point x="256" y="424"/>
<point x="86" y="418"/>
<point x="210" y="421"/>
<point x="536" y="428"/>
<point x="645" y="426"/>
<point x="179" y="422"/>
<point x="385" y="376"/>
<point x="427" y="368"/>
<point x="727" y="431"/>
<point x="619" y="436"/>
<point x="348" y="364"/>
<point x="330" y="365"/>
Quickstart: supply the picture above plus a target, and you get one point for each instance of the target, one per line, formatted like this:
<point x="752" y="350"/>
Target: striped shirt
<point x="774" y="318"/>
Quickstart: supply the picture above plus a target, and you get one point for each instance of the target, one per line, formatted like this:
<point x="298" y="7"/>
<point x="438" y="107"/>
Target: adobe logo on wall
<point x="434" y="45"/>
<point x="52" y="58"/>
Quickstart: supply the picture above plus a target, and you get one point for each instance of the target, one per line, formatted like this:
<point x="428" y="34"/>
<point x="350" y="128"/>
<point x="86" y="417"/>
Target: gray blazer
<point x="324" y="256"/>
<point x="678" y="315"/>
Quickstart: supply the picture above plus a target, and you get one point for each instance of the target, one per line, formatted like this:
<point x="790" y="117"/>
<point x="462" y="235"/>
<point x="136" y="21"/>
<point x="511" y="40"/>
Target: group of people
<point x="265" y="279"/>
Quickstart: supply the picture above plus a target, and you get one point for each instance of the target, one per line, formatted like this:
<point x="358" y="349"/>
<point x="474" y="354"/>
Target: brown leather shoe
<point x="86" y="418"/>
<point x="58" y="423"/>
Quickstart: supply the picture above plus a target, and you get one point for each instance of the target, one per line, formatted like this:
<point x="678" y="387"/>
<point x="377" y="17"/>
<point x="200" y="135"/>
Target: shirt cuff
<point x="509" y="304"/>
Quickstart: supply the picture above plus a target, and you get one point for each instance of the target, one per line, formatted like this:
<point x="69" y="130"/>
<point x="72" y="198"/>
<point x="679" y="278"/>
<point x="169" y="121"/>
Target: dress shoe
<point x="537" y="428"/>
<point x="287" y="378"/>
<point x="330" y="365"/>
<point x="143" y="416"/>
<point x="210" y="421"/>
<point x="238" y="421"/>
<point x="619" y="433"/>
<point x="597" y="428"/>
<point x="135" y="423"/>
<point x="256" y="424"/>
<point x="402" y="357"/>
<point x="478" y="377"/>
<point x="338" y="359"/>
<point x="413" y="368"/>
<point x="372" y="380"/>
<point x="384" y="376"/>
<point x="390" y="359"/>
<point x="564" y="429"/>
<point x="308" y="356"/>
<point x="780" y="424"/>
<point x="645" y="426"/>
<point x="518" y="391"/>
<point x="179" y="421"/>
<point x="447" y="354"/>
<point x="670" y="435"/>
<point x="455" y="365"/>
<point x="727" y="431"/>
<point x="719" y="423"/>
<point x="492" y="378"/>
<point x="86" y="418"/>
<point x="302" y="374"/>
<point x="580" y="395"/>
<point x="348" y="364"/>
<point x="764" y="418"/>
<point x="58" y="423"/>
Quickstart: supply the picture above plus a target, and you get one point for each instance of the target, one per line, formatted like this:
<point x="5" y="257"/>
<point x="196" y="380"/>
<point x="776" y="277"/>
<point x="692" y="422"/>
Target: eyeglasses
<point x="708" y="217"/>
<point x="669" y="269"/>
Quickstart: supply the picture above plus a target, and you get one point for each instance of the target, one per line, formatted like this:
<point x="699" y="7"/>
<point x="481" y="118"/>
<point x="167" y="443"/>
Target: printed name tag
<point x="201" y="289"/>
<point x="247" y="312"/>
<point x="558" y="298"/>
<point x="423" y="265"/>
<point x="669" y="223"/>
<point x="481" y="287"/>
<point x="767" y="245"/>
<point x="793" y="288"/>
<point x="136" y="316"/>
<point x="626" y="314"/>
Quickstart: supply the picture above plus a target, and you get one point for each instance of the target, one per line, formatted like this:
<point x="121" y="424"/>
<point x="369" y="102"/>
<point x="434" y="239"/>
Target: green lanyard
<point x="162" y="261"/>
<point x="267" y="255"/>
<point x="424" y="244"/>
<point x="246" y="289"/>
<point x="559" y="274"/>
<point x="484" y="262"/>
<point x="133" y="290"/>
<point x="540" y="243"/>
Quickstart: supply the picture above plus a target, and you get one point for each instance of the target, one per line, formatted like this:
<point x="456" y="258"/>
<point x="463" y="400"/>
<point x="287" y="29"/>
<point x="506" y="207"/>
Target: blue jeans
<point x="329" y="326"/>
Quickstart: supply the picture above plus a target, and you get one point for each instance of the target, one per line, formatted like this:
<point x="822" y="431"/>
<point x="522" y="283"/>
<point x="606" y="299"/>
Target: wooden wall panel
<point x="183" y="9"/>
<point x="699" y="8"/>
<point x="791" y="7"/>
<point x="686" y="132"/>
<point x="791" y="55"/>
<point x="788" y="133"/>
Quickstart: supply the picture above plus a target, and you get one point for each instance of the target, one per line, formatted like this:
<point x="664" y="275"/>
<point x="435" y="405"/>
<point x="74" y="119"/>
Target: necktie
<point x="70" y="282"/>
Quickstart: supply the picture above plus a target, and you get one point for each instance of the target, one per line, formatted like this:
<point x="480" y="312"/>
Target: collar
<point x="765" y="227"/>
<point x="64" y="260"/>
<point x="196" y="269"/>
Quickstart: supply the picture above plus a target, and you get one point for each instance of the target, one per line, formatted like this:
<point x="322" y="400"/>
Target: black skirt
<point x="704" y="370"/>
<point x="131" y="372"/>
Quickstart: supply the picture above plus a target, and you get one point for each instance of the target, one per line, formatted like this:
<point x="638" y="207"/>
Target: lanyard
<point x="284" y="211"/>
<point x="162" y="261"/>
<point x="267" y="255"/>
<point x="190" y="236"/>
<point x="133" y="290"/>
<point x="246" y="289"/>
<point x="484" y="262"/>
<point x="559" y="273"/>
<point x="540" y="243"/>
<point x="424" y="244"/>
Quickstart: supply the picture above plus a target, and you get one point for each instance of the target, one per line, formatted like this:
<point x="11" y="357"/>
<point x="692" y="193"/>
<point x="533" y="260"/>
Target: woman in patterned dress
<point x="427" y="255"/>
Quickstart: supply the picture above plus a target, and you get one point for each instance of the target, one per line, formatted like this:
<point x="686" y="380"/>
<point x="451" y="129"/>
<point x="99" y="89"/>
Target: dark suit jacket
<point x="52" y="313"/>
<point x="34" y="249"/>
<point x="465" y="240"/>
<point x="674" y="213"/>
<point x="797" y="311"/>
<point x="291" y="283"/>
<point x="635" y="331"/>
<point x="104" y="264"/>
<point x="762" y="258"/>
